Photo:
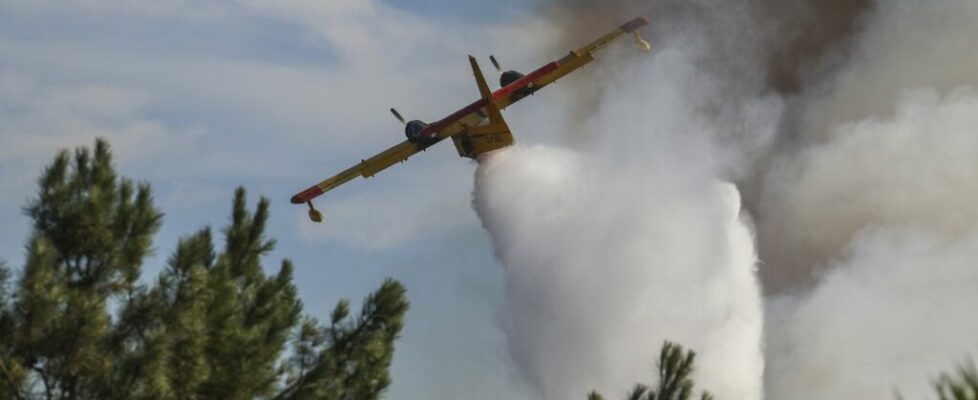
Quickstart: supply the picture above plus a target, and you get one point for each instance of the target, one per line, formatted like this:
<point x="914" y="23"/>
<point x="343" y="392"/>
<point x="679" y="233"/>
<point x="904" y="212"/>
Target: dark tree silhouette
<point x="77" y="324"/>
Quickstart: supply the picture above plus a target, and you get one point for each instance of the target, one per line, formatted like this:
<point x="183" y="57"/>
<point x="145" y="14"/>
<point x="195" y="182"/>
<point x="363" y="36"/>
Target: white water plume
<point x="611" y="251"/>
<point x="603" y="265"/>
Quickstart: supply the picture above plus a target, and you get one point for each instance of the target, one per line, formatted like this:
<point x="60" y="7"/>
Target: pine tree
<point x="962" y="386"/>
<point x="675" y="368"/>
<point x="78" y="324"/>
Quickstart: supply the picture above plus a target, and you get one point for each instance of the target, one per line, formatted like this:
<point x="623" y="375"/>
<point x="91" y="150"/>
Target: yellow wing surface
<point x="471" y="120"/>
<point x="365" y="168"/>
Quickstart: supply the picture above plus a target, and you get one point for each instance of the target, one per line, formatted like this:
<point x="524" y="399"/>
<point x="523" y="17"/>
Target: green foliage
<point x="962" y="386"/>
<point x="675" y="368"/>
<point x="349" y="359"/>
<point x="78" y="325"/>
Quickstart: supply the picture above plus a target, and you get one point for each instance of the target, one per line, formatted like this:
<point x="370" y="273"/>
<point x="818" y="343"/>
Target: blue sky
<point x="199" y="97"/>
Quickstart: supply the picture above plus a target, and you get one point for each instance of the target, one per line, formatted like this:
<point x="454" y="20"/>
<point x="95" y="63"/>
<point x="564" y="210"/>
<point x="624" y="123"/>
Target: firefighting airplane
<point x="479" y="127"/>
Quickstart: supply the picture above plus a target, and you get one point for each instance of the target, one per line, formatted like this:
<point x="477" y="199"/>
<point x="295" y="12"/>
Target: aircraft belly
<point x="471" y="145"/>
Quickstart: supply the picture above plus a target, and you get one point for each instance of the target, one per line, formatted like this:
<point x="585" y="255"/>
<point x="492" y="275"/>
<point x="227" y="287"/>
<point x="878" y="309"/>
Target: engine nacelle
<point x="413" y="129"/>
<point x="413" y="132"/>
<point x="509" y="77"/>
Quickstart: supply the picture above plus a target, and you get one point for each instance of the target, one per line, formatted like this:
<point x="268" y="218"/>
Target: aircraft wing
<point x="365" y="168"/>
<point x="576" y="59"/>
<point x="471" y="115"/>
<point x="471" y="118"/>
<point x="453" y="124"/>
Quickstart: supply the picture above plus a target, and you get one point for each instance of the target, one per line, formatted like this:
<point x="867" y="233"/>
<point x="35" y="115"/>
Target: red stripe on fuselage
<point x="521" y="83"/>
<point x="434" y="127"/>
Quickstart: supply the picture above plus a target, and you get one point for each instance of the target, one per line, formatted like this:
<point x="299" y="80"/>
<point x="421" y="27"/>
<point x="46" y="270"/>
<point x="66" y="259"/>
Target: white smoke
<point x="873" y="226"/>
<point x="914" y="168"/>
<point x="892" y="204"/>
<point x="897" y="310"/>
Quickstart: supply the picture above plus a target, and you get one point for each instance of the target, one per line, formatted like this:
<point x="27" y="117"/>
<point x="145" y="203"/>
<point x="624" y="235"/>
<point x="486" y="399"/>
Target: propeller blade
<point x="495" y="63"/>
<point x="398" y="116"/>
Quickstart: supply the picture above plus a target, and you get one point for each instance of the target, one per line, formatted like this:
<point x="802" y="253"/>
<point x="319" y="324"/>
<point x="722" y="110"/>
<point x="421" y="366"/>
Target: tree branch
<point x="10" y="381"/>
<point x="44" y="379"/>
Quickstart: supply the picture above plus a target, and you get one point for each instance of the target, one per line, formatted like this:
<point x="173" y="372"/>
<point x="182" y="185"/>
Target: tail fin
<point x="480" y="79"/>
<point x="484" y="137"/>
<point x="495" y="115"/>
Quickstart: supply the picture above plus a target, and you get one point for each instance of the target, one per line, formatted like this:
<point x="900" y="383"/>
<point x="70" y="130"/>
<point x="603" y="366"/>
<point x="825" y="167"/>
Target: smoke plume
<point x="848" y="130"/>
<point x="869" y="224"/>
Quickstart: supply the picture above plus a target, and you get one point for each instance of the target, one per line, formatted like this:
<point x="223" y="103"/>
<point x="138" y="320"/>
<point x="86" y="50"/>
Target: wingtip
<point x="306" y="195"/>
<point x="635" y="24"/>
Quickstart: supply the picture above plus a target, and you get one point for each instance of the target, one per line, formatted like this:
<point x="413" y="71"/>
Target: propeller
<point x="314" y="214"/>
<point x="398" y="116"/>
<point x="495" y="63"/>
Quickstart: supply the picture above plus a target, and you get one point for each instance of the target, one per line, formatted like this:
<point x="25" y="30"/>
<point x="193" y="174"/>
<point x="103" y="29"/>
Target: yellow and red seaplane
<point x="479" y="127"/>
